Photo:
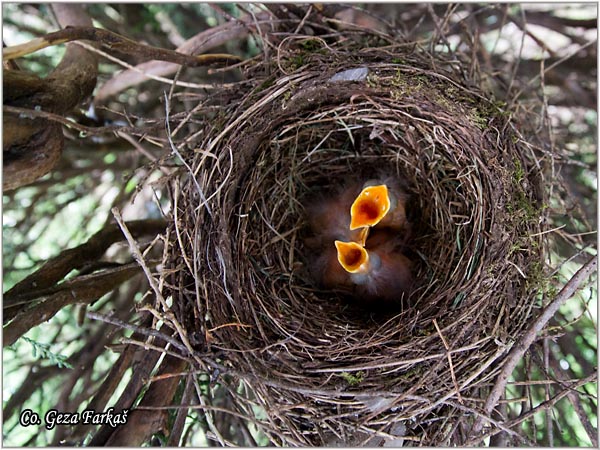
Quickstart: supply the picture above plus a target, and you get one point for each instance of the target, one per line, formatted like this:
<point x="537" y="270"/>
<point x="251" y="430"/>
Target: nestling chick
<point x="352" y="257"/>
<point x="386" y="275"/>
<point x="350" y="260"/>
<point x="329" y="219"/>
<point x="328" y="272"/>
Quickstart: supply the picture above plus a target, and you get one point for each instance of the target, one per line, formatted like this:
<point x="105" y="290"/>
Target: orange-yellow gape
<point x="352" y="256"/>
<point x="378" y="205"/>
<point x="371" y="205"/>
<point x="379" y="271"/>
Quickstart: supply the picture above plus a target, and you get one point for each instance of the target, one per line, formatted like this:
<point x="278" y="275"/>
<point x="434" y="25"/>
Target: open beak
<point x="352" y="256"/>
<point x="371" y="205"/>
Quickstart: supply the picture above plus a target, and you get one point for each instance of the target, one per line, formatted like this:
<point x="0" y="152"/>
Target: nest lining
<point x="318" y="364"/>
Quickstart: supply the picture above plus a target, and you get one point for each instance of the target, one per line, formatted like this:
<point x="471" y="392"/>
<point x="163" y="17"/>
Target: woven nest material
<point x="325" y="370"/>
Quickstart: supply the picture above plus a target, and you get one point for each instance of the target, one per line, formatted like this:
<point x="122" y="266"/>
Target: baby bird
<point x="379" y="203"/>
<point x="379" y="271"/>
<point x="345" y="257"/>
<point x="329" y="220"/>
<point x="327" y="271"/>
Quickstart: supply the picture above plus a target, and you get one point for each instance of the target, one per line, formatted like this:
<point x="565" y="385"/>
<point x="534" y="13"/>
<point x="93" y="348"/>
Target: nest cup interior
<point x="322" y="161"/>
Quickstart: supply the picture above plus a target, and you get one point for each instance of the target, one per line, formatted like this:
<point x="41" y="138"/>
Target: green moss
<point x="311" y="45"/>
<point x="266" y="84"/>
<point x="414" y="372"/>
<point x="521" y="205"/>
<point x="444" y="102"/>
<point x="296" y="61"/>
<point x="353" y="380"/>
<point x="493" y="108"/>
<point x="399" y="79"/>
<point x="519" y="173"/>
<point x="372" y="80"/>
<point x="500" y="106"/>
<point x="538" y="280"/>
<point x="412" y="83"/>
<point x="303" y="54"/>
<point x="491" y="268"/>
<point x="479" y="118"/>
<point x="407" y="85"/>
<point x="536" y="272"/>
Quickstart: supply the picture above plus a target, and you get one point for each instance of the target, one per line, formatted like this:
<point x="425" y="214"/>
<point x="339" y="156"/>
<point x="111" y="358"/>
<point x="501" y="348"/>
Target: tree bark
<point x="31" y="148"/>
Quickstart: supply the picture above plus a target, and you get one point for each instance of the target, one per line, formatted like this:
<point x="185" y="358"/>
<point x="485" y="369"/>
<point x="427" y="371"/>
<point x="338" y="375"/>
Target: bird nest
<point x="306" y="364"/>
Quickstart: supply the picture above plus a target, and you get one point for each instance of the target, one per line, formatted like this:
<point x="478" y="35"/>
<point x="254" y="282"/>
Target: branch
<point x="143" y="423"/>
<point x="544" y="406"/>
<point x="27" y="154"/>
<point x="85" y="289"/>
<point x="128" y="359"/>
<point x="573" y="396"/>
<point x="553" y="22"/>
<point x="178" y="425"/>
<point x="31" y="150"/>
<point x="530" y="335"/>
<point x="33" y="114"/>
<point x="116" y="43"/>
<point x="140" y="330"/>
<point x="143" y="363"/>
<point x="58" y="267"/>
<point x="199" y="43"/>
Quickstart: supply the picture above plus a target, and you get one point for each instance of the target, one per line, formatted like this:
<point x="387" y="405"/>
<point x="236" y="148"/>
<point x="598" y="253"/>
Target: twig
<point x="145" y="331"/>
<point x="575" y="401"/>
<point x="547" y="388"/>
<point x="199" y="43"/>
<point x="183" y="160"/>
<point x="113" y="41"/>
<point x="178" y="425"/>
<point x="26" y="113"/>
<point x="529" y="336"/>
<point x="150" y="76"/>
<point x="476" y="440"/>
<point x="561" y="60"/>
<point x="207" y="414"/>
<point x="501" y="426"/>
<point x="137" y="255"/>
<point x="84" y="289"/>
<point x="460" y="399"/>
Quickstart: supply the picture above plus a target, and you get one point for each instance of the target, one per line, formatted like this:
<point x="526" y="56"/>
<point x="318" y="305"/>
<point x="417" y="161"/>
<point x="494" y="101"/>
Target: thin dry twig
<point x="137" y="255"/>
<point x="26" y="113"/>
<point x="477" y="440"/>
<point x="141" y="330"/>
<point x="575" y="401"/>
<point x="450" y="365"/>
<point x="513" y="358"/>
